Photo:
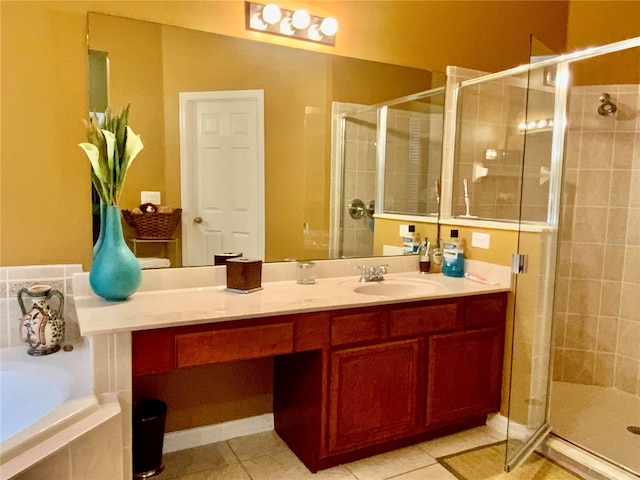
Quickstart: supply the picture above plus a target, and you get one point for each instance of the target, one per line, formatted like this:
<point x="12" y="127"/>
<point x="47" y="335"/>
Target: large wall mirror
<point x="148" y="66"/>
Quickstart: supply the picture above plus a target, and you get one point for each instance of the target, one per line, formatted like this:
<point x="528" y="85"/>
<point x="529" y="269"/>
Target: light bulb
<point x="257" y="23"/>
<point x="314" y="33"/>
<point x="300" y="19"/>
<point x="271" y="14"/>
<point x="329" y="26"/>
<point x="542" y="124"/>
<point x="285" y="26"/>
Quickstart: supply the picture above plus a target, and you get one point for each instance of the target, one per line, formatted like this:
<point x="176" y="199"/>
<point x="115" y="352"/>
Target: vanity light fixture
<point x="298" y="24"/>
<point x="536" y="125"/>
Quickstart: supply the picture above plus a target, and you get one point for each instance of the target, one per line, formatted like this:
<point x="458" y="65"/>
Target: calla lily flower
<point x="111" y="151"/>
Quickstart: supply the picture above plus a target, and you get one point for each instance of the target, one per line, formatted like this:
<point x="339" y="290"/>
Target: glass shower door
<point x="542" y="131"/>
<point x="509" y="153"/>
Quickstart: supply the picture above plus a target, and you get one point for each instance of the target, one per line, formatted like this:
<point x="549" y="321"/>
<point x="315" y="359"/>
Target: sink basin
<point x="396" y="289"/>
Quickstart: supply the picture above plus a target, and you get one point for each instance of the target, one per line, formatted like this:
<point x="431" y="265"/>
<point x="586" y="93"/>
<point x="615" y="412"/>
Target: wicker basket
<point x="153" y="225"/>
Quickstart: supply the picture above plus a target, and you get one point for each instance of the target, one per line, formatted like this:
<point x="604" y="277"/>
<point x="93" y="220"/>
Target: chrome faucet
<point x="372" y="273"/>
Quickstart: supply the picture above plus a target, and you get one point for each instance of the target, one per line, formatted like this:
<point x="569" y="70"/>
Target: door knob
<point x="197" y="220"/>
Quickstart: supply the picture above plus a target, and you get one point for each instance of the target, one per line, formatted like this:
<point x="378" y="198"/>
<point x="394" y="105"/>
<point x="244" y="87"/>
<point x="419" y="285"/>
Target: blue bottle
<point x="453" y="256"/>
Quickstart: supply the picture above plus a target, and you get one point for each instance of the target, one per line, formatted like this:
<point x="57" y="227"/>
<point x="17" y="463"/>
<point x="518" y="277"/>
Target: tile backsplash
<point x="12" y="279"/>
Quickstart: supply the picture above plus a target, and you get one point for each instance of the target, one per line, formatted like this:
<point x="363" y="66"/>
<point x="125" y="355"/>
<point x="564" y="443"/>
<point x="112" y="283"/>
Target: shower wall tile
<point x="579" y="366"/>
<point x="620" y="188"/>
<point x="627" y="106"/>
<point x="617" y="221"/>
<point x="559" y="328"/>
<point x="604" y="372"/>
<point x="632" y="265"/>
<point x="584" y="296"/>
<point x="558" y="364"/>
<point x="610" y="299"/>
<point x="626" y="378"/>
<point x="590" y="224"/>
<point x="593" y="187"/>
<point x="634" y="195"/>
<point x="561" y="294"/>
<point x="596" y="151"/>
<point x="629" y="339"/>
<point x="607" y="334"/>
<point x="600" y="242"/>
<point x="581" y="332"/>
<point x="587" y="260"/>
<point x="614" y="260"/>
<point x="629" y="301"/>
<point x="623" y="150"/>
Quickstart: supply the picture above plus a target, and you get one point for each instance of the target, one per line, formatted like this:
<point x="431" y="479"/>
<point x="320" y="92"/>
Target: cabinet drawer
<point x="486" y="310"/>
<point x="357" y="327"/>
<point x="422" y="320"/>
<point x="233" y="344"/>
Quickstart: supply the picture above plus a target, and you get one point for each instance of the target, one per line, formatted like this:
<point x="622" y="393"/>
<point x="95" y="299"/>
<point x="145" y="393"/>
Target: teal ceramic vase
<point x="115" y="273"/>
<point x="103" y="218"/>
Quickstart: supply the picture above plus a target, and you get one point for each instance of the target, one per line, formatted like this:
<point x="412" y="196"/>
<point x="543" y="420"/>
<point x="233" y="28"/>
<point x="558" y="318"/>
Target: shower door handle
<point x="519" y="263"/>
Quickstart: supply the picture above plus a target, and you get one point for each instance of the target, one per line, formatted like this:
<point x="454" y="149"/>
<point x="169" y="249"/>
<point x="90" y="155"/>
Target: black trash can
<point x="149" y="417"/>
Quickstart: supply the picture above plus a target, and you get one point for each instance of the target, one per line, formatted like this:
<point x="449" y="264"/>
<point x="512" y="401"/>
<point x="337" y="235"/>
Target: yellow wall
<point x="387" y="232"/>
<point x="44" y="87"/>
<point x="592" y="23"/>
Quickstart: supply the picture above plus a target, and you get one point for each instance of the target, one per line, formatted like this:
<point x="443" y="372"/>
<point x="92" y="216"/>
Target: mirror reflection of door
<point x="98" y="102"/>
<point x="222" y="174"/>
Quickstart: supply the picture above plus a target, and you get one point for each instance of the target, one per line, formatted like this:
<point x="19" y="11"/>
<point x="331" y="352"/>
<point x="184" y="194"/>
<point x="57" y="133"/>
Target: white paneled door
<point x="222" y="169"/>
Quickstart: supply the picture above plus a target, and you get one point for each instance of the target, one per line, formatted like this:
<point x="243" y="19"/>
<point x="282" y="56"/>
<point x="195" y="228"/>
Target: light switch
<point x="480" y="240"/>
<point x="150" y="197"/>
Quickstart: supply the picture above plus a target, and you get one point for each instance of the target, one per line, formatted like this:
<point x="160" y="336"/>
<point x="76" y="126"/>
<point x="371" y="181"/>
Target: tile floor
<point x="264" y="456"/>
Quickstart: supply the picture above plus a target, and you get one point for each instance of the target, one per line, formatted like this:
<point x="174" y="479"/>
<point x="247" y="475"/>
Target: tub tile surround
<point x="12" y="279"/>
<point x="70" y="440"/>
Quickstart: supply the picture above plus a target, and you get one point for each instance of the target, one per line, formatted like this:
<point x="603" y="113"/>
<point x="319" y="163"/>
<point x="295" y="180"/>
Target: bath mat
<point x="487" y="463"/>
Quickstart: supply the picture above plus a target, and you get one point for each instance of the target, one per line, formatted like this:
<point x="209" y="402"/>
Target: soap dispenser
<point x="453" y="256"/>
<point x="424" y="252"/>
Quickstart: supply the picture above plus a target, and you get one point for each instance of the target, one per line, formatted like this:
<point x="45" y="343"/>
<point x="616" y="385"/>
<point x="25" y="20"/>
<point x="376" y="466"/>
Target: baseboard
<point x="500" y="424"/>
<point x="195" y="437"/>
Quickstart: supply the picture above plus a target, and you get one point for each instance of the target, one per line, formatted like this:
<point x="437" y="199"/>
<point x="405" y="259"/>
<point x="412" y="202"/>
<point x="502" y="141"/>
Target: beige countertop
<point x="146" y="310"/>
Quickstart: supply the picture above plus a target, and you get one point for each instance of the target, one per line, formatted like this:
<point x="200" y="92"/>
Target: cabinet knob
<point x="197" y="220"/>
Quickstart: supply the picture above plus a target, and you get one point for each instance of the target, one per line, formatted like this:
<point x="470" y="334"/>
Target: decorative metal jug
<point x="42" y="327"/>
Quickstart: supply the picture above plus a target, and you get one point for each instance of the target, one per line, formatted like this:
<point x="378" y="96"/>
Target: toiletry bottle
<point x="425" y="256"/>
<point x="410" y="241"/>
<point x="453" y="256"/>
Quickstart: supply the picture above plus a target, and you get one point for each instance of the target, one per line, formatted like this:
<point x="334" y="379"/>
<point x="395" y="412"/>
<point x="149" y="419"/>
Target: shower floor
<point x="596" y="418"/>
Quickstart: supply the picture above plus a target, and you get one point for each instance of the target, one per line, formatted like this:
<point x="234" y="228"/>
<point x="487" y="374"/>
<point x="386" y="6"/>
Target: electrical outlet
<point x="480" y="240"/>
<point x="150" y="197"/>
<point x="403" y="230"/>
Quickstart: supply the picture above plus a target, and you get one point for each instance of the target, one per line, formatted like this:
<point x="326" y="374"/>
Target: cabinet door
<point x="464" y="375"/>
<point x="373" y="393"/>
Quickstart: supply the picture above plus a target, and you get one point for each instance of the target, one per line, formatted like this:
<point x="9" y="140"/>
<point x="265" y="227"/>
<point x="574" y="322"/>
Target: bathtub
<point x="40" y="398"/>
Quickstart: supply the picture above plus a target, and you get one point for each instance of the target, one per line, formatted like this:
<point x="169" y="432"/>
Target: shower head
<point x="607" y="107"/>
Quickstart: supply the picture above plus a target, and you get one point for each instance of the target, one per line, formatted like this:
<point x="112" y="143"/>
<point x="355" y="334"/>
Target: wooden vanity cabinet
<point x="461" y="377"/>
<point x="409" y="372"/>
<point x="464" y="373"/>
<point x="356" y="382"/>
<point x="373" y="394"/>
